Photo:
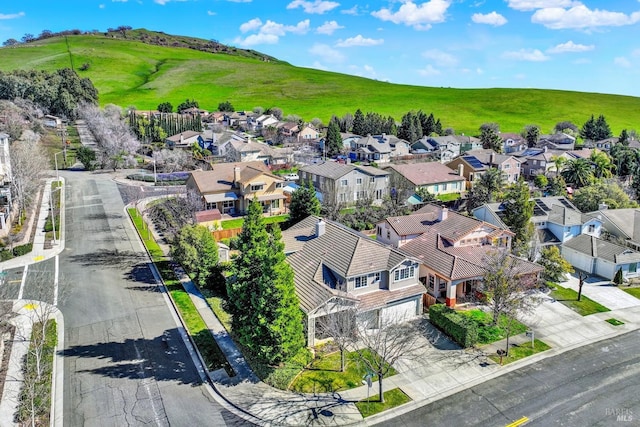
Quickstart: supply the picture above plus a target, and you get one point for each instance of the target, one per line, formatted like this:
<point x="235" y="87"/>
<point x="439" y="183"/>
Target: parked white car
<point x="291" y="177"/>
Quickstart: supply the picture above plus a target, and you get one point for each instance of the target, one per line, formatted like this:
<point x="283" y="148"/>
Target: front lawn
<point x="632" y="291"/>
<point x="323" y="374"/>
<point x="521" y="351"/>
<point x="372" y="406"/>
<point x="488" y="333"/>
<point x="237" y="223"/>
<point x="569" y="297"/>
<point x="449" y="197"/>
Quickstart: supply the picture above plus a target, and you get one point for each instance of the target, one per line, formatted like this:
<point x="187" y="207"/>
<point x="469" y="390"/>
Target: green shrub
<point x="23" y="249"/>
<point x="5" y="255"/>
<point x="618" y="279"/>
<point x="461" y="329"/>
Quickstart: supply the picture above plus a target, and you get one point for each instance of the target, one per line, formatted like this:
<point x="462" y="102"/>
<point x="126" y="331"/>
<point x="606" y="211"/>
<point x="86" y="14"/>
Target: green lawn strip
<point x="372" y="406"/>
<point x="42" y="398"/>
<point x="632" y="291"/>
<point x="614" y="322"/>
<point x="211" y="353"/>
<point x="323" y="374"/>
<point x="488" y="333"/>
<point x="450" y="197"/>
<point x="217" y="303"/>
<point x="569" y="297"/>
<point x="521" y="351"/>
<point x="237" y="223"/>
<point x="55" y="202"/>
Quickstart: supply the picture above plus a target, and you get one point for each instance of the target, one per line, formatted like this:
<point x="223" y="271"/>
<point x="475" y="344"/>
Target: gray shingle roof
<point x="341" y="250"/>
<point x="335" y="170"/>
<point x="598" y="248"/>
<point x="427" y="173"/>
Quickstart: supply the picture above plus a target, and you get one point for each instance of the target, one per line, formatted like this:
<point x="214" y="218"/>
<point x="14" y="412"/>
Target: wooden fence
<point x="226" y="234"/>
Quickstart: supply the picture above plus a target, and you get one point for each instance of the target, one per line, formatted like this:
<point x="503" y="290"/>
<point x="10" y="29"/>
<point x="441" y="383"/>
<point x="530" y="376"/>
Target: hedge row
<point x="458" y="327"/>
<point x="7" y="254"/>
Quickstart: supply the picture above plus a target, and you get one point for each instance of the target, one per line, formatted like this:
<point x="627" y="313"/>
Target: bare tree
<point x="340" y="326"/>
<point x="174" y="160"/>
<point x="29" y="165"/>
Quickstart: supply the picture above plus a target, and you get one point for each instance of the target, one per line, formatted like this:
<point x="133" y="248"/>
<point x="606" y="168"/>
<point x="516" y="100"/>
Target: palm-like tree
<point x="602" y="164"/>
<point x="558" y="163"/>
<point x="578" y="172"/>
<point x="492" y="181"/>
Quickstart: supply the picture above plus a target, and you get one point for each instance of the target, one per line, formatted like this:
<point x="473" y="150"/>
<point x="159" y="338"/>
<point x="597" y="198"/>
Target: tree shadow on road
<point x="108" y="258"/>
<point x="163" y="358"/>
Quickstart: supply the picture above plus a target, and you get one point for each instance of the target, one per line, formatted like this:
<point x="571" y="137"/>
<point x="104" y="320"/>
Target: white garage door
<point x="399" y="312"/>
<point x="579" y="261"/>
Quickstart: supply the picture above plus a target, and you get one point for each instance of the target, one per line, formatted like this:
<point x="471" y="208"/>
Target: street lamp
<point x="55" y="158"/>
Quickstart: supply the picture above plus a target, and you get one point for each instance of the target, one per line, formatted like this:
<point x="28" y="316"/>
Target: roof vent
<point x="320" y="227"/>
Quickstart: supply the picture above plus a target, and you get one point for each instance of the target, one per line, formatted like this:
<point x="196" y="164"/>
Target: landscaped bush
<point x="461" y="329"/>
<point x="22" y="249"/>
<point x="173" y="178"/>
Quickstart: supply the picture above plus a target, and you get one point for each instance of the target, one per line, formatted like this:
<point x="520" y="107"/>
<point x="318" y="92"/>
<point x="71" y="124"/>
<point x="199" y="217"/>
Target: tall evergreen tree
<point x="588" y="131"/>
<point x="358" y="125"/>
<point x="334" y="140"/>
<point x="266" y="313"/>
<point x="303" y="203"/>
<point x="603" y="131"/>
<point x="518" y="210"/>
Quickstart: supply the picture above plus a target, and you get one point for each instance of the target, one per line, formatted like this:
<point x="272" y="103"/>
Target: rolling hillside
<point x="130" y="72"/>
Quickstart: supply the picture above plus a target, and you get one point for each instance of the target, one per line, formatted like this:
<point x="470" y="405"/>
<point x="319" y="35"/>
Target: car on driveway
<point x="291" y="177"/>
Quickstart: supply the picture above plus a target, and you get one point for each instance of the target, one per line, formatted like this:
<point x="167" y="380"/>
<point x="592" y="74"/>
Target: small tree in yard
<point x="266" y="313"/>
<point x="505" y="289"/>
<point x="618" y="278"/>
<point x="87" y="157"/>
<point x="380" y="348"/>
<point x="555" y="266"/>
<point x="303" y="203"/>
<point x="197" y="251"/>
<point x="340" y="326"/>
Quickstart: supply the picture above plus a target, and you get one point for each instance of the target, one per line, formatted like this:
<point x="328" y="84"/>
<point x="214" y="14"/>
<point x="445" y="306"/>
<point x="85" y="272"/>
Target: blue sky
<point x="584" y="45"/>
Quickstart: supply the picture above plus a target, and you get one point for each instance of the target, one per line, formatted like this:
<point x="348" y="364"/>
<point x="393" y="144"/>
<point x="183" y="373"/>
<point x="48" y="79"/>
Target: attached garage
<point x="578" y="260"/>
<point x="400" y="312"/>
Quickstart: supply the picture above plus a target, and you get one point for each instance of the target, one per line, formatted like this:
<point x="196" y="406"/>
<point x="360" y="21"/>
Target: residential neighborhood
<point x="364" y="258"/>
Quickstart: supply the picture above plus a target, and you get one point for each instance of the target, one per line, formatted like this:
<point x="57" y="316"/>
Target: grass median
<point x="569" y="297"/>
<point x="211" y="353"/>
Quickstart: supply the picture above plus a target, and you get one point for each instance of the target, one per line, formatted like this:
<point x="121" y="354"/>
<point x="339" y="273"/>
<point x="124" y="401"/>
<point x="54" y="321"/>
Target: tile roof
<point x="339" y="250"/>
<point x="427" y="173"/>
<point x="598" y="248"/>
<point x="220" y="178"/>
<point x="456" y="263"/>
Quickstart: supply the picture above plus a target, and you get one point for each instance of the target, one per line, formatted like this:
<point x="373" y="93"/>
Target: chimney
<point x="544" y="150"/>
<point x="236" y="174"/>
<point x="181" y="139"/>
<point x="491" y="157"/>
<point x="320" y="227"/>
<point x="443" y="214"/>
<point x="461" y="169"/>
<point x="603" y="207"/>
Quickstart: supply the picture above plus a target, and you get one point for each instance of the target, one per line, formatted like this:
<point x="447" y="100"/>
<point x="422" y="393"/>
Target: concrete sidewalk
<point x="442" y="369"/>
<point x="603" y="292"/>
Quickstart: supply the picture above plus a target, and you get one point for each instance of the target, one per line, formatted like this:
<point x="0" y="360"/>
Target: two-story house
<point x="308" y="133"/>
<point x="346" y="183"/>
<point x="557" y="141"/>
<point x="230" y="187"/>
<point x="377" y="148"/>
<point x="336" y="268"/>
<point x="434" y="177"/>
<point x="476" y="162"/>
<point x="444" y="148"/>
<point x="453" y="251"/>
<point x="512" y="142"/>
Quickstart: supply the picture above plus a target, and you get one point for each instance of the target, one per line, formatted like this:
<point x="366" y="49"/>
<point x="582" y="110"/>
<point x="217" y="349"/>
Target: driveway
<point x="603" y="292"/>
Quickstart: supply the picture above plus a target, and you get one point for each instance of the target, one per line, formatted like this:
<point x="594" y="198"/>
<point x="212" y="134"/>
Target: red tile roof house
<point x="337" y="268"/>
<point x="435" y="177"/>
<point x="452" y="249"/>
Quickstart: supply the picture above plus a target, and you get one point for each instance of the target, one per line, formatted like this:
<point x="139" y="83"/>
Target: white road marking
<point x="24" y="279"/>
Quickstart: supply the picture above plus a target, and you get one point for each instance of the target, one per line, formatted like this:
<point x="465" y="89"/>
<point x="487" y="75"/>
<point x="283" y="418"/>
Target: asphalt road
<point x="38" y="283"/>
<point x="590" y="386"/>
<point x="125" y="363"/>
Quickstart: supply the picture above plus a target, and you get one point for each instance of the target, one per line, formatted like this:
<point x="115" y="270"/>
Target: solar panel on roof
<point x="541" y="205"/>
<point x="538" y="212"/>
<point x="565" y="202"/>
<point x="473" y="161"/>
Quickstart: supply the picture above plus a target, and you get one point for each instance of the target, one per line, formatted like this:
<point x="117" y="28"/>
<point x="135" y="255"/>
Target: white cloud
<point x="101" y="6"/>
<point x="251" y="25"/>
<point x="326" y="53"/>
<point x="440" y="58"/>
<point x="359" y="41"/>
<point x="533" y="55"/>
<point x="428" y="71"/>
<point x="570" y="46"/>
<point x="417" y="16"/>
<point x="161" y="2"/>
<point x="11" y="15"/>
<point x="211" y="13"/>
<point x="255" y="39"/>
<point x="328" y="27"/>
<point x="240" y="1"/>
<point x="492" y="18"/>
<point x="351" y="11"/>
<point x="319" y="66"/>
<point x="621" y="61"/>
<point x="317" y="6"/>
<point x="581" y="16"/>
<point x="526" y="5"/>
<point x="269" y="32"/>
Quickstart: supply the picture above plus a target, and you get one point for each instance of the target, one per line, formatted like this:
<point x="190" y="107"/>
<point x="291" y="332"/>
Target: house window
<point x="361" y="282"/>
<point x="362" y="195"/>
<point x="372" y="179"/>
<point x="275" y="204"/>
<point x="404" y="273"/>
<point x="633" y="267"/>
<point x="344" y="182"/>
<point x="435" y="188"/>
<point x="470" y="177"/>
<point x="379" y="231"/>
<point x="444" y="187"/>
<point x="257" y="187"/>
<point x="359" y="181"/>
<point x="343" y="197"/>
<point x="592" y="228"/>
<point x="506" y="166"/>
<point x="378" y="194"/>
<point x="388" y="235"/>
<point x="279" y="184"/>
<point x="432" y="282"/>
<point x="376" y="277"/>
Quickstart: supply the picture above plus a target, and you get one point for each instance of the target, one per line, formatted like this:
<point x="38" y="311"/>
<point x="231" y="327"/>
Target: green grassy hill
<point x="130" y="72"/>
